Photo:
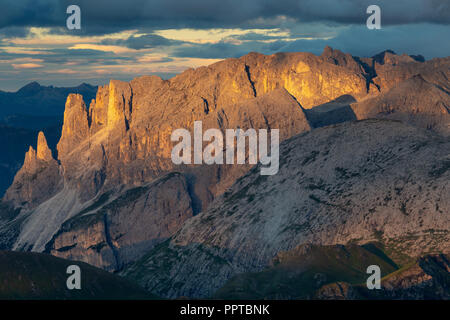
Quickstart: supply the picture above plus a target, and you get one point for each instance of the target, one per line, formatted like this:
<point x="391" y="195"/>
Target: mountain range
<point x="364" y="164"/>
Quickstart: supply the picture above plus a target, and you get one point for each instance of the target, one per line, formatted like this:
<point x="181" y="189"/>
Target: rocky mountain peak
<point x="30" y="88"/>
<point x="119" y="106"/>
<point x="30" y="158"/>
<point x="38" y="178"/>
<point x="43" y="151"/>
<point x="76" y="125"/>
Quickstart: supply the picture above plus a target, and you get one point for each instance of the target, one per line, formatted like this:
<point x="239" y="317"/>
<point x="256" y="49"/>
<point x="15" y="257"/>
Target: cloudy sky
<point x="124" y="39"/>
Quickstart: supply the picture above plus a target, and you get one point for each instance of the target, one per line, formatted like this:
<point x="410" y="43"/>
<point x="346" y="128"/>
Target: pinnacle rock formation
<point x="38" y="179"/>
<point x="76" y="127"/>
<point x="43" y="151"/>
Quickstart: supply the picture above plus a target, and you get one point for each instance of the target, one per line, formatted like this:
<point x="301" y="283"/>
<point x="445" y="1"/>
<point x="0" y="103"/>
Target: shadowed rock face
<point x="415" y="101"/>
<point x="355" y="182"/>
<point x="113" y="232"/>
<point x="426" y="279"/>
<point x="123" y="142"/>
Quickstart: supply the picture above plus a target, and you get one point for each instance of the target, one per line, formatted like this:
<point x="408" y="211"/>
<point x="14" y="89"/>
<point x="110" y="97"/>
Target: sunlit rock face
<point x="123" y="142"/>
<point x="128" y="127"/>
<point x="124" y="137"/>
<point x="37" y="180"/>
<point x="76" y="127"/>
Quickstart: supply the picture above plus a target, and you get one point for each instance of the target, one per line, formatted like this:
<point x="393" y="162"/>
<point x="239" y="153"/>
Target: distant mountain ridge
<point x="34" y="99"/>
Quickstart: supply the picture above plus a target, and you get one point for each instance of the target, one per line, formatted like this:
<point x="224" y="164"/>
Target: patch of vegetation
<point x="30" y="275"/>
<point x="7" y="212"/>
<point x="345" y="173"/>
<point x="310" y="158"/>
<point x="438" y="171"/>
<point x="66" y="248"/>
<point x="98" y="247"/>
<point x="97" y="204"/>
<point x="300" y="275"/>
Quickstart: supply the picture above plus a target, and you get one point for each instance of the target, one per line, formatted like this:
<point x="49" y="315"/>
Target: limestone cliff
<point x="123" y="139"/>
<point x="415" y="101"/>
<point x="38" y="179"/>
<point x="371" y="180"/>
<point x="76" y="127"/>
<point x="113" y="232"/>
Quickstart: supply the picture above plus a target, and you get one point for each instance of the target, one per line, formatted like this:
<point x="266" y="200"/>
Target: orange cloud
<point x="26" y="66"/>
<point x="63" y="71"/>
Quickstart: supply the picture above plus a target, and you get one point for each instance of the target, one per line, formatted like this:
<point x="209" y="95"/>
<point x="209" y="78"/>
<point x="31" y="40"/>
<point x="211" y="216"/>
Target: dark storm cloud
<point x="408" y="26"/>
<point x="14" y="32"/>
<point x="105" y="16"/>
<point x="143" y="42"/>
<point x="422" y="39"/>
<point x="85" y="56"/>
<point x="63" y="56"/>
<point x="253" y="36"/>
<point x="222" y="49"/>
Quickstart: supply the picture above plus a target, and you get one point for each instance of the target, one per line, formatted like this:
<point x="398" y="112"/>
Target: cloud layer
<point x="124" y="39"/>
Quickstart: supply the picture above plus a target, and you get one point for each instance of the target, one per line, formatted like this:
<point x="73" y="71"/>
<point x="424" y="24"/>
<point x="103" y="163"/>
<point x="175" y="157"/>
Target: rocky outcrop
<point x="354" y="182"/>
<point x="37" y="180"/>
<point x="340" y="58"/>
<point x="111" y="233"/>
<point x="303" y="271"/>
<point x="98" y="110"/>
<point x="337" y="291"/>
<point x="428" y="278"/>
<point x="310" y="79"/>
<point x="390" y="69"/>
<point x="425" y="279"/>
<point x="43" y="152"/>
<point x="414" y="101"/>
<point x="76" y="127"/>
<point x="128" y="141"/>
<point x="124" y="138"/>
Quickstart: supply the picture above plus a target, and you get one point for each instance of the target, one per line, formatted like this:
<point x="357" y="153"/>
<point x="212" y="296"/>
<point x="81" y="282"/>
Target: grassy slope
<point x="27" y="275"/>
<point x="298" y="276"/>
